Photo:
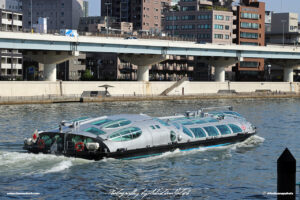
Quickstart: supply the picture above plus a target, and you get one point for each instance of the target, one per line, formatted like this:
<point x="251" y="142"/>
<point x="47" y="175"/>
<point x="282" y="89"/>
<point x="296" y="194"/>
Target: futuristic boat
<point x="130" y="136"/>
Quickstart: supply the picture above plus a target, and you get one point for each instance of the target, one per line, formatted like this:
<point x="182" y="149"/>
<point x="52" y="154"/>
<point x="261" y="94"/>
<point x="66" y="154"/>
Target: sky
<point x="272" y="5"/>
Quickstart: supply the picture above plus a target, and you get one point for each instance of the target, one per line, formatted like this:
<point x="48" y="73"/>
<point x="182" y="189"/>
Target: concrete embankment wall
<point x="27" y="88"/>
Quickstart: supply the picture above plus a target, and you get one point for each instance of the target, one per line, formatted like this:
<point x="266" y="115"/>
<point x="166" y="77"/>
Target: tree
<point x="87" y="75"/>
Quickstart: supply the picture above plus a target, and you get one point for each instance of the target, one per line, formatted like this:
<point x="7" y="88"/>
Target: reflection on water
<point x="241" y="171"/>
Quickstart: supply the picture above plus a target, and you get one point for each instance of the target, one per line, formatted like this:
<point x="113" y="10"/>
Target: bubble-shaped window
<point x="187" y="132"/>
<point x="211" y="131"/>
<point x="224" y="130"/>
<point x="126" y="134"/>
<point x="198" y="132"/>
<point x="117" y="123"/>
<point x="101" y="122"/>
<point x="235" y="128"/>
<point x="95" y="131"/>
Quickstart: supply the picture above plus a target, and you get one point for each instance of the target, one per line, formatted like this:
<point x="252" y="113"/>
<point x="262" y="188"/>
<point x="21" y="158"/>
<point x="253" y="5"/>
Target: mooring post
<point x="286" y="176"/>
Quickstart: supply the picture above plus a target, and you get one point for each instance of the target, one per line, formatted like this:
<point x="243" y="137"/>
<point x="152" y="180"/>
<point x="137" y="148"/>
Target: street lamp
<point x="107" y="4"/>
<point x="31" y="16"/>
<point x="283" y="21"/>
<point x="269" y="71"/>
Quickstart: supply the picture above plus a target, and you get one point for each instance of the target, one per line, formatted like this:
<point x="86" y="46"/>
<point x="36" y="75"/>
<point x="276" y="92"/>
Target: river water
<point x="243" y="171"/>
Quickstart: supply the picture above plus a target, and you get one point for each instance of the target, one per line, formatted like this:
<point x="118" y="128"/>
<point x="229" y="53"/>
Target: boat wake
<point x="16" y="163"/>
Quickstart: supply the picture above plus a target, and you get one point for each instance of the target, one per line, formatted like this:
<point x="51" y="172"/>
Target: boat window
<point x="157" y="126"/>
<point x="100" y="122"/>
<point x="95" y="131"/>
<point x="47" y="140"/>
<point x="126" y="134"/>
<point x="198" y="132"/>
<point x="176" y="125"/>
<point x="233" y="113"/>
<point x="211" y="120"/>
<point x="235" y="128"/>
<point x="211" y="131"/>
<point x="152" y="127"/>
<point x="172" y="136"/>
<point x="117" y="123"/>
<point x="187" y="123"/>
<point x="162" y="122"/>
<point x="200" y="121"/>
<point x="224" y="130"/>
<point x="187" y="132"/>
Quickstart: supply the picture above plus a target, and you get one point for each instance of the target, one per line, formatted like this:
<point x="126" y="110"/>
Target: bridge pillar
<point x="50" y="72"/>
<point x="220" y="74"/>
<point x="220" y="64"/>
<point x="288" y="74"/>
<point x="143" y="73"/>
<point x="49" y="59"/>
<point x="143" y="62"/>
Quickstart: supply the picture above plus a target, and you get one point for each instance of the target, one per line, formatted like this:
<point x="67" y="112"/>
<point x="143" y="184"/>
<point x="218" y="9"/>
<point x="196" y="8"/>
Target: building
<point x="85" y="8"/>
<point x="13" y="5"/>
<point x="145" y="15"/>
<point x="109" y="67"/>
<point x="72" y="69"/>
<point x="268" y="21"/>
<point x="60" y="14"/>
<point x="200" y="21"/>
<point x="11" y="60"/>
<point x="250" y="30"/>
<point x="284" y="29"/>
<point x="100" y="24"/>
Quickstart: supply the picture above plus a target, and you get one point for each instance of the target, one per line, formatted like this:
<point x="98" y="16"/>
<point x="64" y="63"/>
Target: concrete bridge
<point x="53" y="49"/>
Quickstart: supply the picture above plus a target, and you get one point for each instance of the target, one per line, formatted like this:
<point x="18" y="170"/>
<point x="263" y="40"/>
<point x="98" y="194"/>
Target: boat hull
<point x="150" y="151"/>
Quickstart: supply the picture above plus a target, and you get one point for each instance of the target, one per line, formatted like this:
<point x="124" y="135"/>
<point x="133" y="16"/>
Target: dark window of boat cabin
<point x="94" y="130"/>
<point x="162" y="122"/>
<point x="187" y="132"/>
<point x="117" y="123"/>
<point x="152" y="127"/>
<point x="100" y="122"/>
<point x="176" y="125"/>
<point x="224" y="130"/>
<point x="172" y="136"/>
<point x="157" y="126"/>
<point x="198" y="132"/>
<point x="79" y="119"/>
<point x="235" y="128"/>
<point x="211" y="131"/>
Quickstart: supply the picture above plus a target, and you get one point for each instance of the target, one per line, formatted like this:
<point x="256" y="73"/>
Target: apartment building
<point x="60" y="14"/>
<point x="99" y="24"/>
<point x="145" y="15"/>
<point x="200" y="21"/>
<point x="12" y="5"/>
<point x="284" y="30"/>
<point x="11" y="60"/>
<point x="250" y="30"/>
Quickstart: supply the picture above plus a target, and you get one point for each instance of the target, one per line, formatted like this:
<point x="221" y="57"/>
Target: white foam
<point x="60" y="167"/>
<point x="252" y="141"/>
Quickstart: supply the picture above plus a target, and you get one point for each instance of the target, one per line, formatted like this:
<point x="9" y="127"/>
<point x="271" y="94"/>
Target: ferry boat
<point x="131" y="136"/>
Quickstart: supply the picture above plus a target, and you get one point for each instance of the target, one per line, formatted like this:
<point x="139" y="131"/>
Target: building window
<point x="249" y="43"/>
<point x="188" y="8"/>
<point x="249" y="25"/>
<point x="227" y="18"/>
<point x="249" y="15"/>
<point x="249" y="35"/>
<point x="227" y="37"/>
<point x="226" y="27"/>
<point x="218" y="36"/>
<point x="204" y="17"/>
<point x="246" y="64"/>
<point x="219" y="17"/>
<point x="218" y="26"/>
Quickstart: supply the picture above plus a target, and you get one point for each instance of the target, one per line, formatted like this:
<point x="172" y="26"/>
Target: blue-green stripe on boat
<point x="143" y="156"/>
<point x="219" y="145"/>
